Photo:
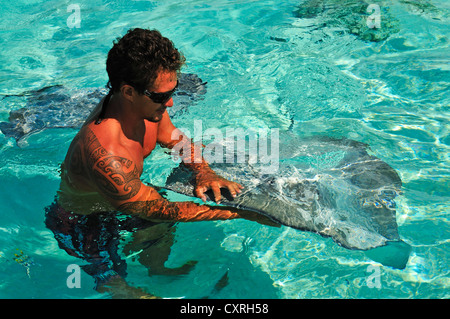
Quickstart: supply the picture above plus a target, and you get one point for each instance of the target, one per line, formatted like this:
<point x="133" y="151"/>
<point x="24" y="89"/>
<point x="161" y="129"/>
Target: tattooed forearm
<point x="158" y="209"/>
<point x="161" y="209"/>
<point x="118" y="179"/>
<point x="115" y="176"/>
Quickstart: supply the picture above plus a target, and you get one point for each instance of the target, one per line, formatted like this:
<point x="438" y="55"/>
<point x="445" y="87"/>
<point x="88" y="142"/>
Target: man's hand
<point x="208" y="180"/>
<point x="205" y="178"/>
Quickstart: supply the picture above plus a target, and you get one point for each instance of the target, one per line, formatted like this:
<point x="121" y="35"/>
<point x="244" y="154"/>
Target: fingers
<point x="234" y="188"/>
<point x="215" y="186"/>
<point x="200" y="193"/>
<point x="216" y="190"/>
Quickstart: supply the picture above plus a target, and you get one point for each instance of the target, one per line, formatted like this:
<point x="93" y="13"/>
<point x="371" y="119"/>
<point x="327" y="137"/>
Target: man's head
<point x="138" y="57"/>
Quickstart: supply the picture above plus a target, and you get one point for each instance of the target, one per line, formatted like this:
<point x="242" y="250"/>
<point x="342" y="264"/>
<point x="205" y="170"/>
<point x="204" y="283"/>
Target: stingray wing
<point x="60" y="107"/>
<point x="332" y="187"/>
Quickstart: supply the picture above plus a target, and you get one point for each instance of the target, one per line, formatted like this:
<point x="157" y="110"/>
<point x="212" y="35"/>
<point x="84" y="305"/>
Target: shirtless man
<point x="102" y="169"/>
<point x="105" y="160"/>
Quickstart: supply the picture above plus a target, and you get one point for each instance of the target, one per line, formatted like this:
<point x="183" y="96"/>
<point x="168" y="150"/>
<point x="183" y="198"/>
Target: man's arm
<point x="169" y="136"/>
<point x="117" y="178"/>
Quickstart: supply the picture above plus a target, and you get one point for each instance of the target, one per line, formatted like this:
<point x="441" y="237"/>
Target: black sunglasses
<point x="160" y="98"/>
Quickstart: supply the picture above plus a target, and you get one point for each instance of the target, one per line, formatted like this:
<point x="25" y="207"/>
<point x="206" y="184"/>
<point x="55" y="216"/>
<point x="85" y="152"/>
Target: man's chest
<point x="150" y="137"/>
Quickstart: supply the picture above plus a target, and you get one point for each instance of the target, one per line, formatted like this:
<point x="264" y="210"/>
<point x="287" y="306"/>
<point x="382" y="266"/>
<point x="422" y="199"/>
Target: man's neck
<point x="122" y="111"/>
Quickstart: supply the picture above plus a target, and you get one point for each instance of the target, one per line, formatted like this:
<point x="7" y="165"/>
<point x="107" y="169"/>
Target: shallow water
<point x="266" y="68"/>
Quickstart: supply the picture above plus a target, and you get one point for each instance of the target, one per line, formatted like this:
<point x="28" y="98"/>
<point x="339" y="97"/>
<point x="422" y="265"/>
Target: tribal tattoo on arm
<point x="162" y="209"/>
<point x="116" y="177"/>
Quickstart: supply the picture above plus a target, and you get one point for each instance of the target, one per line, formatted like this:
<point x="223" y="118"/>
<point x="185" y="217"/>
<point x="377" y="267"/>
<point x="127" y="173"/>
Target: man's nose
<point x="169" y="103"/>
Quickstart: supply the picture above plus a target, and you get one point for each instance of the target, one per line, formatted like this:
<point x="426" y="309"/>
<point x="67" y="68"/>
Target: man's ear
<point x="128" y="92"/>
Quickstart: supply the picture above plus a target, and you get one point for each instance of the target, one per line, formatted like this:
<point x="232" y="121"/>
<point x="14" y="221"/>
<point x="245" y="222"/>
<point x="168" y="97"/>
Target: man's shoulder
<point x="103" y="138"/>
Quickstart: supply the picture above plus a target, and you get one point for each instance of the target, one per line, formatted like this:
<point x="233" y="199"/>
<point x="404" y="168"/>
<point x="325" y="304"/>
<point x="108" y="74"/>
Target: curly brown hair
<point x="138" y="56"/>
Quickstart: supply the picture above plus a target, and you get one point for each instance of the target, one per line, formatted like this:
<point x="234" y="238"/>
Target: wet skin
<point x="102" y="171"/>
<point x="104" y="163"/>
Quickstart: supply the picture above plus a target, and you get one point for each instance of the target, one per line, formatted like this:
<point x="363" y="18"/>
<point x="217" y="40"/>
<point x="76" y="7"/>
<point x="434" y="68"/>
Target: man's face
<point x="166" y="81"/>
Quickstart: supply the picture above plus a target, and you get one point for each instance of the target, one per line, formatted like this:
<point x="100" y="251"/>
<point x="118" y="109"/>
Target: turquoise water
<point x="266" y="68"/>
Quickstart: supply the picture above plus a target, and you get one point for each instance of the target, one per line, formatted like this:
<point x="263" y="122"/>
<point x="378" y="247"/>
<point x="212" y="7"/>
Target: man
<point x="102" y="169"/>
<point x="105" y="160"/>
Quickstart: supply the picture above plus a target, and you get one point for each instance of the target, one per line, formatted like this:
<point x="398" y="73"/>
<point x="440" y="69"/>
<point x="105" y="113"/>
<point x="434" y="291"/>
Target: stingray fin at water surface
<point x="58" y="106"/>
<point x="329" y="186"/>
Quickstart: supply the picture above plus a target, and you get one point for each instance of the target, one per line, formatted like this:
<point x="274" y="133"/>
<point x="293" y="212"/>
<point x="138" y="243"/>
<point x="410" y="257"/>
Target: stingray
<point x="60" y="107"/>
<point x="329" y="186"/>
